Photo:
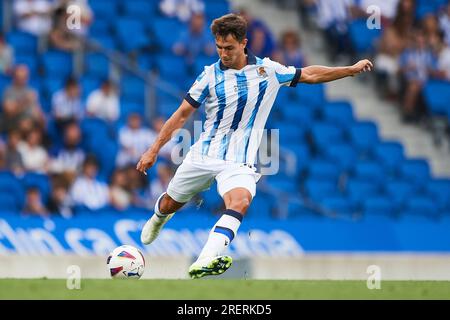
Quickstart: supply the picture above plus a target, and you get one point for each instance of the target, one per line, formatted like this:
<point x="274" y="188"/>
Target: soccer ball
<point x="126" y="262"/>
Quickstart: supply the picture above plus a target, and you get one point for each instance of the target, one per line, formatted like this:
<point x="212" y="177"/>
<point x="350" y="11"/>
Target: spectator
<point x="166" y="150"/>
<point x="289" y="52"/>
<point x="181" y="9"/>
<point x="87" y="190"/>
<point x="20" y="101"/>
<point x="442" y="52"/>
<point x="33" y="16"/>
<point x="103" y="103"/>
<point x="34" y="204"/>
<point x="260" y="39"/>
<point x="444" y="23"/>
<point x="392" y="43"/>
<point x="2" y="155"/>
<point x="195" y="41"/>
<point x="161" y="182"/>
<point x="61" y="37"/>
<point x="13" y="159"/>
<point x="332" y="18"/>
<point x="60" y="201"/>
<point x="134" y="140"/>
<point x="138" y="187"/>
<point x="68" y="160"/>
<point x="120" y="195"/>
<point x="6" y="56"/>
<point x="430" y="26"/>
<point x="387" y="9"/>
<point x="34" y="156"/>
<point x="66" y="104"/>
<point x="416" y="64"/>
<point x="86" y="17"/>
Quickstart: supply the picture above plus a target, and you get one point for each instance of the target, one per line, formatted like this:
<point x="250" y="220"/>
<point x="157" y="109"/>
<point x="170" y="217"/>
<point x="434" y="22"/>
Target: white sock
<point x="158" y="214"/>
<point x="221" y="234"/>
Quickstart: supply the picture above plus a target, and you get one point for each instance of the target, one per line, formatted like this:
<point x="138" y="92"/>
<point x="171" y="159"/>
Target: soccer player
<point x="239" y="91"/>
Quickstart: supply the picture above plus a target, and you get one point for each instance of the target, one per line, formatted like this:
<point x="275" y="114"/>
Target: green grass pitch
<point x="222" y="289"/>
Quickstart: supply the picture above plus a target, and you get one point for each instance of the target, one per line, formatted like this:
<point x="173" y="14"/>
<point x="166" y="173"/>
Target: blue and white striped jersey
<point x="237" y="104"/>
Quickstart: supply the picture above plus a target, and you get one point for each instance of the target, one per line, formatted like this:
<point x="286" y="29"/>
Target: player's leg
<point x="186" y="183"/>
<point x="237" y="191"/>
<point x="165" y="208"/>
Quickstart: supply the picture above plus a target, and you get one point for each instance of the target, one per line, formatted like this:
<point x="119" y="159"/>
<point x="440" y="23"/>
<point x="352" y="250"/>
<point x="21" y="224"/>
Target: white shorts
<point x="197" y="172"/>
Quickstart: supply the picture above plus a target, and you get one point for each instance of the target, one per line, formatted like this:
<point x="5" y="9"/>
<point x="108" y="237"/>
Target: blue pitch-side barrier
<point x="98" y="234"/>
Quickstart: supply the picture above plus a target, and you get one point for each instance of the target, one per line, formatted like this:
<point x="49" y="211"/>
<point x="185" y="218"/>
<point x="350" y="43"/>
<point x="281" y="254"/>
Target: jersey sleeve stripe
<point x="192" y="101"/>
<point x="298" y="74"/>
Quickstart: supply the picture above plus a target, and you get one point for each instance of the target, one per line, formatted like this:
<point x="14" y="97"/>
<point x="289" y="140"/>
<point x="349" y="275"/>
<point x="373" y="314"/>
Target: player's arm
<point x="175" y="122"/>
<point x="319" y="74"/>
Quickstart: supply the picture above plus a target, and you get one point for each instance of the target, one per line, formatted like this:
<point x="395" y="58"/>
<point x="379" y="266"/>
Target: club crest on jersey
<point x="262" y="72"/>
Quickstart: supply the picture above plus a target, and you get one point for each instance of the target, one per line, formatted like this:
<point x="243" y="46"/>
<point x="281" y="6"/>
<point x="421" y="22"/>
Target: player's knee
<point x="240" y="204"/>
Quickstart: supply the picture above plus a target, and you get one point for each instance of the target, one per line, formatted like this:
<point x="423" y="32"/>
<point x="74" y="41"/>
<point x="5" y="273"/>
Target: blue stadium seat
<point x="172" y="68"/>
<point x="311" y="94"/>
<point x="51" y="85"/>
<point x="399" y="191"/>
<point x="298" y="114"/>
<point x="97" y="65"/>
<point x="422" y="205"/>
<point x="100" y="28"/>
<point x="317" y="189"/>
<point x="321" y="169"/>
<point x="362" y="38"/>
<point x="162" y="27"/>
<point x="57" y="63"/>
<point x="415" y="170"/>
<point x="106" y="41"/>
<point x="358" y="190"/>
<point x="344" y="155"/>
<point x="370" y="171"/>
<point x="215" y="9"/>
<point x="22" y="42"/>
<point x="338" y="112"/>
<point x="363" y="135"/>
<point x="282" y="183"/>
<point x="106" y="153"/>
<point x="302" y="153"/>
<point x="389" y="154"/>
<point x="288" y="132"/>
<point x="30" y="60"/>
<point x="324" y="134"/>
<point x="337" y="204"/>
<point x="8" y="203"/>
<point x="133" y="89"/>
<point x="379" y="205"/>
<point x="94" y="127"/>
<point x="211" y="199"/>
<point x="128" y="107"/>
<point x="37" y="180"/>
<point x="139" y="9"/>
<point x="89" y="84"/>
<point x="437" y="95"/>
<point x="261" y="207"/>
<point x="11" y="185"/>
<point x="126" y="26"/>
<point x="104" y="9"/>
<point x="439" y="190"/>
<point x="201" y="61"/>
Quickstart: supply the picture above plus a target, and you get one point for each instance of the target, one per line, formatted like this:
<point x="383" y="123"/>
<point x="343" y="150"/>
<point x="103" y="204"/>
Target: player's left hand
<point x="362" y="66"/>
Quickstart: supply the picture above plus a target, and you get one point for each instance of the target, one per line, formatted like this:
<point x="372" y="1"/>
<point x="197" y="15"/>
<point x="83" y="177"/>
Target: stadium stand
<point x="342" y="164"/>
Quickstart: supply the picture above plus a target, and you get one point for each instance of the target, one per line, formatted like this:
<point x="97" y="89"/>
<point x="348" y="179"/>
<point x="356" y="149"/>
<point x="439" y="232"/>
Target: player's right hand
<point x="148" y="159"/>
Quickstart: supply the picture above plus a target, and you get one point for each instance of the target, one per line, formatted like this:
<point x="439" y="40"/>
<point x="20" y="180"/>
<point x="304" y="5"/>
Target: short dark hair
<point x="231" y="23"/>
